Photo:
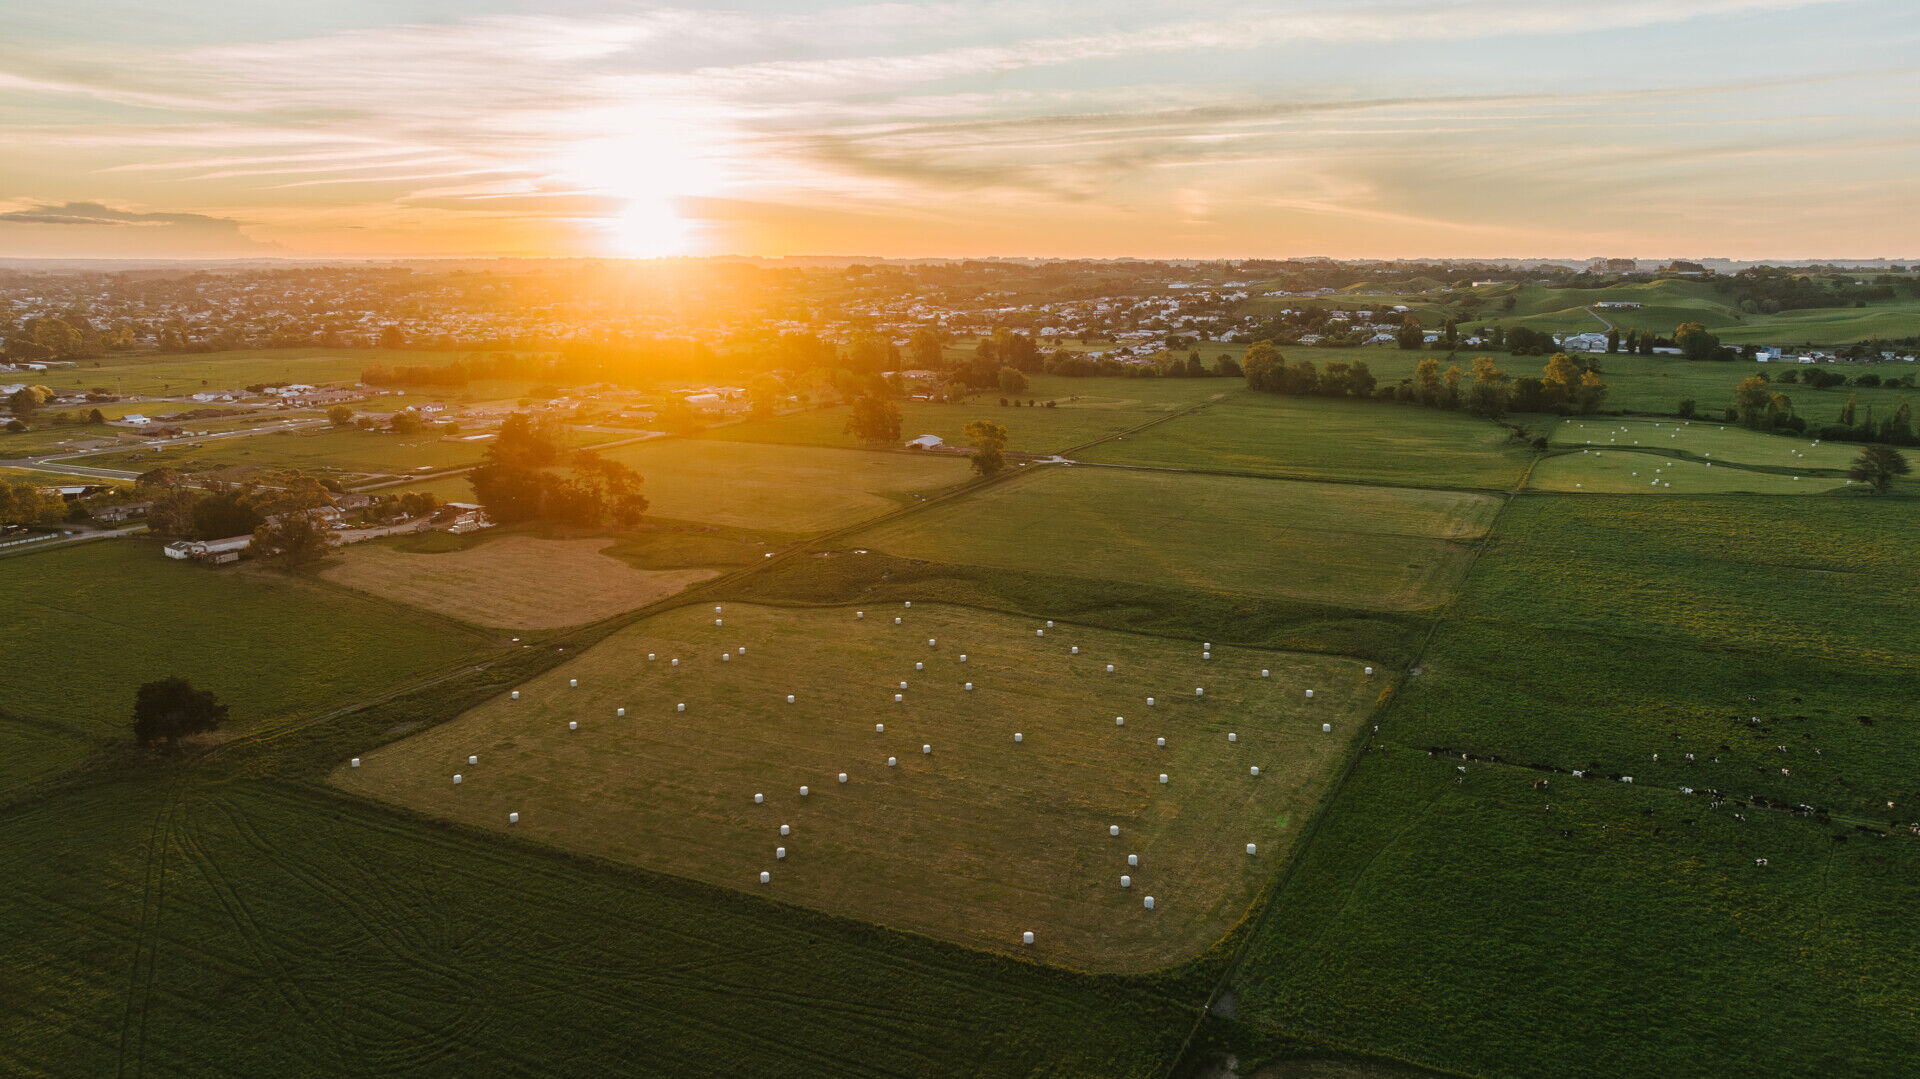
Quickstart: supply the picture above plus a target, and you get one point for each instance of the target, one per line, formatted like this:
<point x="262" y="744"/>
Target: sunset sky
<point x="1409" y="128"/>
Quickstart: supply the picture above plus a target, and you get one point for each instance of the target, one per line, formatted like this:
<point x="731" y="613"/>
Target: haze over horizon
<point x="1743" y="129"/>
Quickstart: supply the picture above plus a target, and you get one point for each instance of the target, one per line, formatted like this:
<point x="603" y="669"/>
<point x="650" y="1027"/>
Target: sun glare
<point x="647" y="163"/>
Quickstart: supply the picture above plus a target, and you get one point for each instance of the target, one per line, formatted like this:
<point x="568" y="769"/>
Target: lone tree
<point x="171" y="709"/>
<point x="1878" y="465"/>
<point x="989" y="441"/>
<point x="874" y="419"/>
<point x="340" y="416"/>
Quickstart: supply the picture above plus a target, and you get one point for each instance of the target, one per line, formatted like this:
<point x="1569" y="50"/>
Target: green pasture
<point x="91" y="622"/>
<point x="1454" y="912"/>
<point x="1369" y="548"/>
<point x="205" y="923"/>
<point x="1470" y="923"/>
<point x="1313" y="438"/>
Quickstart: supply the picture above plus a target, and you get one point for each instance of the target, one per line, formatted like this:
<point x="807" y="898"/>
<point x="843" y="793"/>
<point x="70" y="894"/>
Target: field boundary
<point x="1270" y="900"/>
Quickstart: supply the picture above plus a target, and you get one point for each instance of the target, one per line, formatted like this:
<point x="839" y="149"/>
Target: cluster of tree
<point x="1564" y="385"/>
<point x="1858" y="424"/>
<point x="989" y="442"/>
<point x="1519" y="340"/>
<point x="1266" y="369"/>
<point x="1819" y="379"/>
<point x="170" y="709"/>
<point x="1766" y="290"/>
<point x="874" y="419"/>
<point x="519" y="479"/>
<point x="1758" y="405"/>
<point x="222" y="510"/>
<point x="22" y="503"/>
<point x="38" y="340"/>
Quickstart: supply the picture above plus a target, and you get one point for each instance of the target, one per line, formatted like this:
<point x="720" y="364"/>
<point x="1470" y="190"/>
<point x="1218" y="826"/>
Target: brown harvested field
<point x="977" y="842"/>
<point x="512" y="582"/>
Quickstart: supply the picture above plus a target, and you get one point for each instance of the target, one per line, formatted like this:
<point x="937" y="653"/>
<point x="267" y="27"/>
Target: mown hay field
<point x="976" y="842"/>
<point x="511" y="582"/>
<point x="1369" y="548"/>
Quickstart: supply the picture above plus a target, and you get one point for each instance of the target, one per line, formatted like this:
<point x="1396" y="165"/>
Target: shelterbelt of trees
<point x="1565" y="384"/>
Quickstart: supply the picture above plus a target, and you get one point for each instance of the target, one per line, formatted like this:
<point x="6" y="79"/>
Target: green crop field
<point x="95" y="620"/>
<point x="1363" y="547"/>
<point x="785" y="488"/>
<point x="1311" y="439"/>
<point x="242" y="926"/>
<point x="977" y="842"/>
<point x="1754" y="652"/>
<point x="1085" y="409"/>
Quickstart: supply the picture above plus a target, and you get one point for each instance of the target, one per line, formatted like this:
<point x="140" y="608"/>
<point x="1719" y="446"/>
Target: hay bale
<point x="716" y="621"/>
<point x="355" y="763"/>
<point x="456" y="779"/>
<point x="675" y="663"/>
<point x="779" y="853"/>
<point x="681" y="707"/>
<point x="758" y="798"/>
<point x="1251" y="849"/>
<point x="1255" y="771"/>
<point x="1206" y="655"/>
<point x="1163" y="779"/>
<point x="1233" y="736"/>
<point x="1026" y="938"/>
<point x="513" y="818"/>
<point x="963" y="657"/>
<point x="1326" y="728"/>
<point x="1160" y="742"/>
<point x="649" y="657"/>
<point x="1113" y="829"/>
<point x="930" y="642"/>
<point x="1119" y="721"/>
<point x="1149" y="902"/>
<point x="859" y="614"/>
<point x="1133" y="859"/>
<point x="789" y="698"/>
<point x="1109" y="668"/>
<point x="1039" y="633"/>
<point x="516" y="694"/>
<point x="472" y="759"/>
<point x="919" y="666"/>
<point x="1199" y="691"/>
<point x="1265" y="673"/>
<point x="924" y="750"/>
<point x="899" y="697"/>
<point x="1018" y="737"/>
<point x="969" y="687"/>
<point x="1369" y="672"/>
<point x="619" y="712"/>
<point x="573" y="683"/>
<point x="1049" y="623"/>
<point x="725" y="656"/>
<point x="803" y="791"/>
<point x="573" y="725"/>
<point x="765" y="877"/>
<point x="1309" y="694"/>
<point x="843" y="777"/>
<point x="1076" y="650"/>
<point x="896" y="620"/>
<point x="1126" y="881"/>
<point x="784" y="829"/>
<point x="891" y="762"/>
<point x="879" y="728"/>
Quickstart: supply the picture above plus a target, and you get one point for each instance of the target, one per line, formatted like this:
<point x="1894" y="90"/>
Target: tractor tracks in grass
<point x="133" y="1025"/>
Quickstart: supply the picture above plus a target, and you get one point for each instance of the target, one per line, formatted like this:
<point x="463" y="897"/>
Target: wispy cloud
<point x="1121" y="109"/>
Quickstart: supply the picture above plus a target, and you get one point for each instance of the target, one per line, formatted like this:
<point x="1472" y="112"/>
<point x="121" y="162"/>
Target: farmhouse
<point x="1584" y="342"/>
<point x="926" y="442"/>
<point x="218" y="552"/>
<point x="122" y="511"/>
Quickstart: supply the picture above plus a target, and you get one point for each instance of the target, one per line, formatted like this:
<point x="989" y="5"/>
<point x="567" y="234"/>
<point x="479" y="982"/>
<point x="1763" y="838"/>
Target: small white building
<point x="926" y="442"/>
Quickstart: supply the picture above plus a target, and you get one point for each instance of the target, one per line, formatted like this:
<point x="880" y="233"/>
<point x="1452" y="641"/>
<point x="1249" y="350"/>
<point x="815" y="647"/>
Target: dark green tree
<point x="171" y="709"/>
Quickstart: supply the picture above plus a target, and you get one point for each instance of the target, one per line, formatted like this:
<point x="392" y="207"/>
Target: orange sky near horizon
<point x="1745" y="129"/>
